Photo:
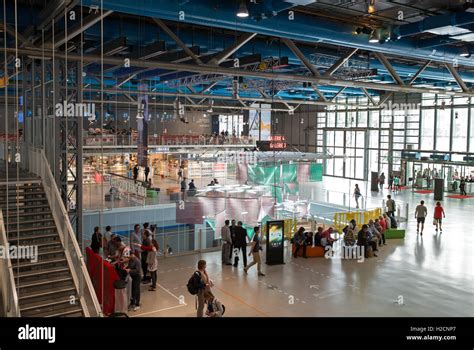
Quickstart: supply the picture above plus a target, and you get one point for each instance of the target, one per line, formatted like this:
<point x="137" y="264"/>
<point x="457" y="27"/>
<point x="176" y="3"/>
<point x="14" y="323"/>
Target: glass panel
<point x="362" y="119"/>
<point x="360" y="140"/>
<point x="460" y="130"/>
<point x="442" y="129"/>
<point x="331" y="121"/>
<point x="373" y="139"/>
<point x="427" y="129"/>
<point x="339" y="138"/>
<point x="374" y="119"/>
<point x="359" y="169"/>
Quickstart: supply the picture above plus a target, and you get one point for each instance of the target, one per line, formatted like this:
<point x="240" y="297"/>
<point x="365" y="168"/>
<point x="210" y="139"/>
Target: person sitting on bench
<point x="299" y="241"/>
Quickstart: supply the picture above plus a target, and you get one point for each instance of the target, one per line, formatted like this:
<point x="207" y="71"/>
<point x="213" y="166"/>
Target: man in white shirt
<point x="420" y="214"/>
<point x="226" y="243"/>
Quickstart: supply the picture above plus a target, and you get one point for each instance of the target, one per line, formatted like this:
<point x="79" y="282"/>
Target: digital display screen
<point x="275" y="233"/>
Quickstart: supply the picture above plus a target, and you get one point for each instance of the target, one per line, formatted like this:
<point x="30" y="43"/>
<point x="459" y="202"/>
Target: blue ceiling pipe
<point x="304" y="28"/>
<point x="452" y="19"/>
<point x="267" y="49"/>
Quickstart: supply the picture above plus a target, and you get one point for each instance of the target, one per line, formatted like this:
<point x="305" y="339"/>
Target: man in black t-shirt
<point x="256" y="248"/>
<point x="240" y="242"/>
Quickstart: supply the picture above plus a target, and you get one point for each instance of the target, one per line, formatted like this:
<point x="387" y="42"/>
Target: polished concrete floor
<point x="432" y="275"/>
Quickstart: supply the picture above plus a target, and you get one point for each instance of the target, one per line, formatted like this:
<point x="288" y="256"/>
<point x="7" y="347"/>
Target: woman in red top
<point x="438" y="215"/>
<point x="383" y="223"/>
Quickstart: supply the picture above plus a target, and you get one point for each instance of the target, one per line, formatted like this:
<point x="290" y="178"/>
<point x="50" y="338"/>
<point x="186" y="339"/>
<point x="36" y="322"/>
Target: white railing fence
<point x="35" y="161"/>
<point x="7" y="289"/>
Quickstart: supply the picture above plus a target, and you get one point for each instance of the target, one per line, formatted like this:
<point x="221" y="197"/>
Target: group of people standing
<point x="393" y="182"/>
<point x="135" y="264"/>
<point x="235" y="240"/>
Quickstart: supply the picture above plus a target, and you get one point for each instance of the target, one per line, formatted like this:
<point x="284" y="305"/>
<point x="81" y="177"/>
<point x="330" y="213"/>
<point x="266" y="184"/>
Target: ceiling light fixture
<point x="242" y="12"/>
<point x="373" y="37"/>
<point x="465" y="52"/>
<point x="371" y="6"/>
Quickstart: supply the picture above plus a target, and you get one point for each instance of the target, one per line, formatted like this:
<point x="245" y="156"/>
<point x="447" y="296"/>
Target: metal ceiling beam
<point x="366" y="93"/>
<point x="319" y="93"/>
<point x="229" y="51"/>
<point x="339" y="63"/>
<point x="15" y="34"/>
<point x="314" y="71"/>
<point x="214" y="97"/>
<point x="292" y="46"/>
<point x="389" y="67"/>
<point x="240" y="72"/>
<point x="78" y="28"/>
<point x="418" y="72"/>
<point x="456" y="77"/>
<point x="125" y="80"/>
<point x="178" y="41"/>
<point x="199" y="107"/>
<point x="385" y="98"/>
<point x="337" y="94"/>
<point x="410" y="82"/>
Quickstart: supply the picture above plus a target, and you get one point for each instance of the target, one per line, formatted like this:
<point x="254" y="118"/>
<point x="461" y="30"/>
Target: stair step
<point x="50" y="251"/>
<point x="47" y="244"/>
<point x="33" y="237"/>
<point x="45" y="293"/>
<point x="22" y="194"/>
<point x="76" y="311"/>
<point x="26" y="222"/>
<point x="22" y="200"/>
<point x="40" y="272"/>
<point x="43" y="304"/>
<point x="32" y="213"/>
<point x="35" y="228"/>
<point x="45" y="282"/>
<point x="16" y="264"/>
<point x="36" y="206"/>
<point x="21" y="187"/>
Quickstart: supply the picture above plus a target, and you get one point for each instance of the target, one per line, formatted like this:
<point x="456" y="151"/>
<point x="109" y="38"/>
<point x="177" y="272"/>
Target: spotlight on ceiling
<point x="465" y="52"/>
<point x="242" y="12"/>
<point x="371" y="6"/>
<point x="373" y="38"/>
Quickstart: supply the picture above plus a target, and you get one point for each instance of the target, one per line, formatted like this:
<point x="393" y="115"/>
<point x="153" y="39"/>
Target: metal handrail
<point x="11" y="307"/>
<point x="37" y="163"/>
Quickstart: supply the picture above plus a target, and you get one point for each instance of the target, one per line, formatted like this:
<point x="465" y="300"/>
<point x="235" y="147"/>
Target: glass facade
<point x="363" y="134"/>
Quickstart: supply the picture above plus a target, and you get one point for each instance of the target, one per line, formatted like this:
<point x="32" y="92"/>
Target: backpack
<point x="194" y="283"/>
<point x="210" y="308"/>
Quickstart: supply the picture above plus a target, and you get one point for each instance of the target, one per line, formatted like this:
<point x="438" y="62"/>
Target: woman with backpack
<point x="198" y="284"/>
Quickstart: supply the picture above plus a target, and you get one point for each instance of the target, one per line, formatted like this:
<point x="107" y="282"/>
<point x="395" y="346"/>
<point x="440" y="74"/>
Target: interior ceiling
<point x="210" y="35"/>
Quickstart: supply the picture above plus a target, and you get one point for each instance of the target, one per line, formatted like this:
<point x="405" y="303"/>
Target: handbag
<point x="435" y="221"/>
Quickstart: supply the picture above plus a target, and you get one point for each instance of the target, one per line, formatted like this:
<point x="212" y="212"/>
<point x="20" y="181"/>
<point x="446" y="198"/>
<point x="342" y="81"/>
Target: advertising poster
<point x="275" y="242"/>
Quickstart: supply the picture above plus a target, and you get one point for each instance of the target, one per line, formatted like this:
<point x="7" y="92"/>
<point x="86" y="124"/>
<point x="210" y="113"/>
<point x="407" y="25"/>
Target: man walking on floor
<point x="390" y="206"/>
<point x="420" y="214"/>
<point x="226" y="244"/>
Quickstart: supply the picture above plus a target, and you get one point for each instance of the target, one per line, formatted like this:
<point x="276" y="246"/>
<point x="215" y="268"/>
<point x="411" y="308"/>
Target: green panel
<point x="316" y="172"/>
<point x="289" y="173"/>
<point x="261" y="175"/>
<point x="211" y="223"/>
<point x="394" y="233"/>
<point x="278" y="193"/>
